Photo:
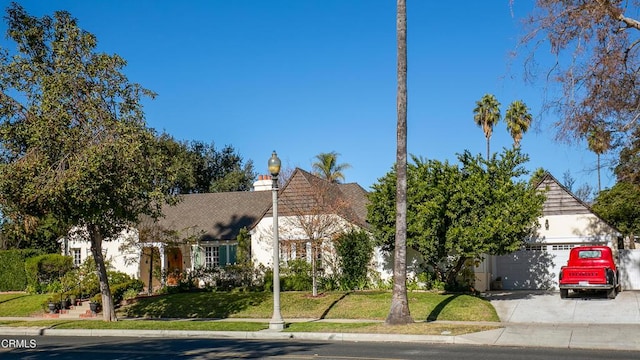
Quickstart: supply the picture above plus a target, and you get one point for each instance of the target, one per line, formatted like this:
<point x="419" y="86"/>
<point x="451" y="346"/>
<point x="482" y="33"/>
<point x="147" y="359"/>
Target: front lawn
<point x="193" y="311"/>
<point x="373" y="305"/>
<point x="21" y="304"/>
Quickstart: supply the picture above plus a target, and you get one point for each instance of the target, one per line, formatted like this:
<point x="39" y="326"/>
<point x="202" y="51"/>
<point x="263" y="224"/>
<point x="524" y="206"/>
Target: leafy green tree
<point x="355" y="250"/>
<point x="620" y="206"/>
<point x="33" y="233"/>
<point x="459" y="213"/>
<point x="486" y="115"/>
<point x="399" y="312"/>
<point x="244" y="247"/>
<point x="537" y="176"/>
<point x="628" y="168"/>
<point x="73" y="141"/>
<point x="518" y="119"/>
<point x="215" y="170"/>
<point x="326" y="166"/>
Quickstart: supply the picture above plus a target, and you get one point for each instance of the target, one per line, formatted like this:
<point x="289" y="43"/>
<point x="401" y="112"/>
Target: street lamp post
<point x="276" y="323"/>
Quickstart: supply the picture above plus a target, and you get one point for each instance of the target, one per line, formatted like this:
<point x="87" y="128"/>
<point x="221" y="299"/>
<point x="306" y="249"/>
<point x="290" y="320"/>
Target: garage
<point x="566" y="222"/>
<point x="535" y="267"/>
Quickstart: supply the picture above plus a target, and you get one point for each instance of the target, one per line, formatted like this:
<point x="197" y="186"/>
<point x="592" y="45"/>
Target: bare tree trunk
<point x="108" y="310"/>
<point x="453" y="273"/>
<point x="150" y="288"/>
<point x="599" y="186"/>
<point x="488" y="148"/>
<point x="314" y="279"/>
<point x="399" y="313"/>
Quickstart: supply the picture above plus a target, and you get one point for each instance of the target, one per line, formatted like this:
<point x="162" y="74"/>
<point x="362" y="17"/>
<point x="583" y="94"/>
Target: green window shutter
<point x="223" y="255"/>
<point x="198" y="256"/>
<point x="233" y="250"/>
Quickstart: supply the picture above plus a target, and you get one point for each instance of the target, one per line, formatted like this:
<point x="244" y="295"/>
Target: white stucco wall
<point x="383" y="263"/>
<point x="121" y="257"/>
<point x="579" y="228"/>
<point x="288" y="229"/>
<point x="262" y="248"/>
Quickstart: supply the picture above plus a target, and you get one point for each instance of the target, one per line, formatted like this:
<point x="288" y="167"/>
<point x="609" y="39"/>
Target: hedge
<point x="46" y="269"/>
<point x="12" y="268"/>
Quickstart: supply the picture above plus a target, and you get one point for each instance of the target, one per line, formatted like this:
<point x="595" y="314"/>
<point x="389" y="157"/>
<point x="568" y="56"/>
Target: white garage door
<point x="536" y="267"/>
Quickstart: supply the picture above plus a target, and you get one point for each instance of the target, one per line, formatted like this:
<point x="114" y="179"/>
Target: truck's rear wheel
<point x="611" y="293"/>
<point x="564" y="293"/>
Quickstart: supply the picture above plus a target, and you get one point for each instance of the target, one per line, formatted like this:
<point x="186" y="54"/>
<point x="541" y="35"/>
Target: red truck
<point x="590" y="268"/>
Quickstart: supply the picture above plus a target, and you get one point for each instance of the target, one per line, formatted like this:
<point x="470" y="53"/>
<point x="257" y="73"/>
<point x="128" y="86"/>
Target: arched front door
<point x="174" y="265"/>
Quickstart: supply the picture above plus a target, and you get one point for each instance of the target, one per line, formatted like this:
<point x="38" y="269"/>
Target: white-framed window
<point x="562" y="247"/>
<point x="535" y="247"/>
<point x="294" y="250"/>
<point x="77" y="256"/>
<point x="211" y="256"/>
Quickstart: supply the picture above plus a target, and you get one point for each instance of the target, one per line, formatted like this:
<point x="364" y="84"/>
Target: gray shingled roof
<point x="217" y="216"/>
<point x="220" y="216"/>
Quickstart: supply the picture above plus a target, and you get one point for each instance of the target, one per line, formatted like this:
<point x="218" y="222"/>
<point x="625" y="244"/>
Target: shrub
<point x="130" y="294"/>
<point x="118" y="290"/>
<point x="44" y="272"/>
<point x="97" y="298"/>
<point x="231" y="277"/>
<point x="296" y="276"/>
<point x="13" y="276"/>
<point x="83" y="281"/>
<point x="355" y="250"/>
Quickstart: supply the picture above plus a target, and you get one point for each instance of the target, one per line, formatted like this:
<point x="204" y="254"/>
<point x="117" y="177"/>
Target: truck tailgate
<point x="583" y="275"/>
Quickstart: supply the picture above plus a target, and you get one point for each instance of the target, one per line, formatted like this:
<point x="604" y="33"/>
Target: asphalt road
<point x="98" y="348"/>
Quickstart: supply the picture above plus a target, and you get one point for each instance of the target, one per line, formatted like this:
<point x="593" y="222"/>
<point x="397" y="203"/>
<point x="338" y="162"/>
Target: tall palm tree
<point x="327" y="167"/>
<point x="487" y="115"/>
<point x="399" y="312"/>
<point x="518" y="119"/>
<point x="599" y="141"/>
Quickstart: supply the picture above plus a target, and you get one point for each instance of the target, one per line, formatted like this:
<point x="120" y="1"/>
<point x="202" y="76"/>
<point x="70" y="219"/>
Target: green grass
<point x="230" y="305"/>
<point x="16" y="304"/>
<point x="194" y="309"/>
<point x="140" y="325"/>
<point x="418" y="328"/>
<point x="373" y="305"/>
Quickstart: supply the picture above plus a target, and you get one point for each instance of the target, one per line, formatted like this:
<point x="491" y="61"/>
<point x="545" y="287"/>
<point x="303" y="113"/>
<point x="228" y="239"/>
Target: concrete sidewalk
<point x="529" y="319"/>
<point x="599" y="336"/>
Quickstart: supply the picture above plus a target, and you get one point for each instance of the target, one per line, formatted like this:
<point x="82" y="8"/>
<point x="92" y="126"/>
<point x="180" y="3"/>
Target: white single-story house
<point x="202" y="231"/>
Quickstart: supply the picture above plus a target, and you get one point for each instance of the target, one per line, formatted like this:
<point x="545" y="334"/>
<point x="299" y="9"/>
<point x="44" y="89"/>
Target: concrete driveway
<point x="547" y="308"/>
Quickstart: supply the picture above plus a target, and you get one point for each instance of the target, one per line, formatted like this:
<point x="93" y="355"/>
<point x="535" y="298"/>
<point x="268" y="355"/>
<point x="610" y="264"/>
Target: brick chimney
<point x="263" y="183"/>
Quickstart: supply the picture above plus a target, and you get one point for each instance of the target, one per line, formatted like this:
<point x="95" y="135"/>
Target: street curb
<point x="243" y="335"/>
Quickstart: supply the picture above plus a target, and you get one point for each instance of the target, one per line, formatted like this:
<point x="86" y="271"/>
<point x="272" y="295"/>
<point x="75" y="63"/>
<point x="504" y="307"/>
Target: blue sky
<point x="308" y="76"/>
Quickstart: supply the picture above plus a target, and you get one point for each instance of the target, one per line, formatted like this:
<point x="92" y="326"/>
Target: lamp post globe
<point x="274" y="165"/>
<point x="276" y="323"/>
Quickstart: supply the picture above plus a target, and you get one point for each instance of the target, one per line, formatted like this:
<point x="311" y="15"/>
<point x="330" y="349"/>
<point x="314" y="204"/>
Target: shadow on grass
<point x="14" y="298"/>
<point x="195" y="305"/>
<point x="433" y="315"/>
<point x="331" y="306"/>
